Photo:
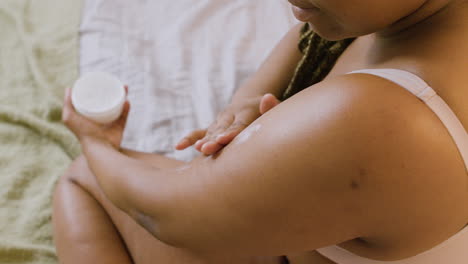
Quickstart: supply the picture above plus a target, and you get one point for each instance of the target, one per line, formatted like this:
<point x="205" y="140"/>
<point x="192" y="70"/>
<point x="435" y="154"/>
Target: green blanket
<point x="38" y="58"/>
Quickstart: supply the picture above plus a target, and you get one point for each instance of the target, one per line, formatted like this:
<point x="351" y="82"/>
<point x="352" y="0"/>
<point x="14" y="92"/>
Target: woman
<point x="355" y="160"/>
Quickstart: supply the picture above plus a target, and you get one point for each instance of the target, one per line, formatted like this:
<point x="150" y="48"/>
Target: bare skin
<point x="112" y="231"/>
<point x="372" y="206"/>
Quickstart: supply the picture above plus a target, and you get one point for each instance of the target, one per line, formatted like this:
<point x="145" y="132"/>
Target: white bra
<point x="455" y="249"/>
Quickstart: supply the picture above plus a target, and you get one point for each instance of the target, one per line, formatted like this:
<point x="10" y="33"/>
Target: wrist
<point x="252" y="99"/>
<point x="93" y="140"/>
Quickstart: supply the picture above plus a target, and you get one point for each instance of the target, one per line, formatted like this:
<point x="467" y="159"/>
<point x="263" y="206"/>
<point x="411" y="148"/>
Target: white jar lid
<point x="98" y="96"/>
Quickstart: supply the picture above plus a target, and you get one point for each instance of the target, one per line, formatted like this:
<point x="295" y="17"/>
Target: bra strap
<point x="425" y="93"/>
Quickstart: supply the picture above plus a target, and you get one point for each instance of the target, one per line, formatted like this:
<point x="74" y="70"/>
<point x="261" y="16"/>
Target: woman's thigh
<point x="143" y="247"/>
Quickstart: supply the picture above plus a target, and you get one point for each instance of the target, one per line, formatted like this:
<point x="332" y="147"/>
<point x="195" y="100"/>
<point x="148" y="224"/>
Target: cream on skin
<point x="245" y="135"/>
<point x="183" y="168"/>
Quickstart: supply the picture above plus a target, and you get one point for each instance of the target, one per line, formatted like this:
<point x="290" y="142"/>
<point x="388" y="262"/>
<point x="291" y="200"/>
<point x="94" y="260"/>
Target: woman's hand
<point x="86" y="129"/>
<point x="235" y="118"/>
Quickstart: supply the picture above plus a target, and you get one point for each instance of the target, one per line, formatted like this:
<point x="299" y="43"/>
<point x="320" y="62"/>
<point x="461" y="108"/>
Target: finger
<point x="223" y="122"/>
<point x="199" y="144"/>
<point x="191" y="139"/>
<point x="67" y="99"/>
<point x="126" y="90"/>
<point x="124" y="116"/>
<point x="211" y="148"/>
<point x="208" y="135"/>
<point x="231" y="133"/>
<point x="268" y="102"/>
<point x="67" y="107"/>
<point x="69" y="116"/>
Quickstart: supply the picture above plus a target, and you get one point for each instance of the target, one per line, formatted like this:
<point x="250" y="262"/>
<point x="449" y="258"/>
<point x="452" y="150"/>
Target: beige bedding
<point x="38" y="58"/>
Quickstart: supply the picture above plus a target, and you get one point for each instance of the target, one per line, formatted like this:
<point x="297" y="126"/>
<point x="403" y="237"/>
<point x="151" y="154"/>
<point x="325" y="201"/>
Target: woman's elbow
<point x="166" y="231"/>
<point x="182" y="233"/>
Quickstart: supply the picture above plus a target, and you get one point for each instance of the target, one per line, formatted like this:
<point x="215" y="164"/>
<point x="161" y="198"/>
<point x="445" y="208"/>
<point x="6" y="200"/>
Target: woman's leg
<point x="83" y="232"/>
<point x="85" y="221"/>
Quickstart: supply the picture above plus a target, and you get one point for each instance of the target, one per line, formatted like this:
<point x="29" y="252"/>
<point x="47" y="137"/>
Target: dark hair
<point x="320" y="55"/>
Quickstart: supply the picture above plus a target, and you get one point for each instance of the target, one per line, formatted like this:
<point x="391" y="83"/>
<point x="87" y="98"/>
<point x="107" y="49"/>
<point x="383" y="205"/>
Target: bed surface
<point x="38" y="58"/>
<point x="182" y="59"/>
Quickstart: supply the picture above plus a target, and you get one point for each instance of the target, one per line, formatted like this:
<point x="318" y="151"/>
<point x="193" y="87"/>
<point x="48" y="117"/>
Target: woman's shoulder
<point x="383" y="112"/>
<point x="400" y="149"/>
<point x="376" y="122"/>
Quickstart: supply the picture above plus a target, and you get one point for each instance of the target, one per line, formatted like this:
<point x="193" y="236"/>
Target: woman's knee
<point x="80" y="174"/>
<point x="75" y="171"/>
<point x="75" y="175"/>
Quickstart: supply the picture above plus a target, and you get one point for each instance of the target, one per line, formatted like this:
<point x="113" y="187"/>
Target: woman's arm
<point x="297" y="179"/>
<point x="275" y="73"/>
<point x="156" y="160"/>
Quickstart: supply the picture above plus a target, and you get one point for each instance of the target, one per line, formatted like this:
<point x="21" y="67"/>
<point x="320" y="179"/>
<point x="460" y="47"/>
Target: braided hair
<point x="319" y="57"/>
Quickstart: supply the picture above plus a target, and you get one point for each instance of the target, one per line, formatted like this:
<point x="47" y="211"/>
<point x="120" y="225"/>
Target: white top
<point x="455" y="249"/>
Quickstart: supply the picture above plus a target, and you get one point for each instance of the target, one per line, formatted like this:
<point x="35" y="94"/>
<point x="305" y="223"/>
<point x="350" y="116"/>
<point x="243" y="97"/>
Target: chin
<point x="329" y="33"/>
<point x="334" y="33"/>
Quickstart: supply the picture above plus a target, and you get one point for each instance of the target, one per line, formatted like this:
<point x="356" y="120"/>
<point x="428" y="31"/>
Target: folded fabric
<point x="182" y="60"/>
<point x="38" y="59"/>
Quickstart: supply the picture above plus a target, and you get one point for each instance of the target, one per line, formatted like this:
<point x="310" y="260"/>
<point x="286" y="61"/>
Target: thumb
<point x="124" y="116"/>
<point x="268" y="102"/>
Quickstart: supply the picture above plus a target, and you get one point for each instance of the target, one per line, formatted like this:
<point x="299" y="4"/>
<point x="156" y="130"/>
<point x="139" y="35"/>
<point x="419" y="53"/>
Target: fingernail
<point x="218" y="138"/>
<point x="203" y="149"/>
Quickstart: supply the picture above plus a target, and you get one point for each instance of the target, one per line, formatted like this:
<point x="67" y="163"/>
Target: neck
<point x="421" y="33"/>
<point x="431" y="14"/>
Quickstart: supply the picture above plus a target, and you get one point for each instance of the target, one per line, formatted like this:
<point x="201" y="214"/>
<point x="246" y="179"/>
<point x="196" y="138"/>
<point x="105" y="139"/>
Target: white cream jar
<point x="99" y="96"/>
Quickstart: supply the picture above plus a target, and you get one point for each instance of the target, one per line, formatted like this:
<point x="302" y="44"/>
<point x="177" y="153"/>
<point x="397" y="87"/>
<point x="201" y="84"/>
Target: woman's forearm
<point x="121" y="176"/>
<point x="276" y="72"/>
<point x="156" y="160"/>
